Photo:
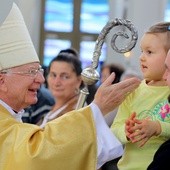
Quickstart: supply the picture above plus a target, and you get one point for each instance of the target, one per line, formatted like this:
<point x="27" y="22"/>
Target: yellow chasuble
<point x="67" y="143"/>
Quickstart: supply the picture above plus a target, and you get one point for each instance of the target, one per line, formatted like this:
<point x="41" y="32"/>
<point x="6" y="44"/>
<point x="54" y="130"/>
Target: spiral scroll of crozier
<point x="90" y="75"/>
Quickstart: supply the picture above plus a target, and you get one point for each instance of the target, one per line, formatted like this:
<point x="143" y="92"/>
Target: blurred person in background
<point x="106" y="70"/>
<point x="64" y="82"/>
<point x="129" y="73"/>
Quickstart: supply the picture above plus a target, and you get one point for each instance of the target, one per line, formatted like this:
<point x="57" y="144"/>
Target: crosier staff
<point x="90" y="74"/>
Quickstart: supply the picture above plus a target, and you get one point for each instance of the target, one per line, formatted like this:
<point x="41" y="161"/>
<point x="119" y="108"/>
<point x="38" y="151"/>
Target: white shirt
<point x="108" y="146"/>
<point x="16" y="116"/>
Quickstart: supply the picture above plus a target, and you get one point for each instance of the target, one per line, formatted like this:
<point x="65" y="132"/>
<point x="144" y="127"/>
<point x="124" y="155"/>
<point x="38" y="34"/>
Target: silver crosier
<point x="90" y="75"/>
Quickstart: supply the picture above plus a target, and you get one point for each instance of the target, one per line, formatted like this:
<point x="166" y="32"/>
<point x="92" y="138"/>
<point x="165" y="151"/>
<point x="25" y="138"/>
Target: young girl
<point x="145" y="130"/>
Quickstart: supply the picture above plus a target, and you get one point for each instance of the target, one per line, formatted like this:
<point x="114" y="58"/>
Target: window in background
<point x="86" y="53"/>
<point x="167" y="11"/>
<point x="58" y="15"/>
<point x="94" y="15"/>
<point x="72" y="23"/>
<point x="52" y="48"/>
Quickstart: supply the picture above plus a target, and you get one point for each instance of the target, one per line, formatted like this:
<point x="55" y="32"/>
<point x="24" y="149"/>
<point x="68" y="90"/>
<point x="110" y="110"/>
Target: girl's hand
<point x="143" y="130"/>
<point x="129" y="124"/>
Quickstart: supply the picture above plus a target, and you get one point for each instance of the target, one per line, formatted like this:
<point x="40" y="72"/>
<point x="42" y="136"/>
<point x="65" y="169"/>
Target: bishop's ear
<point x="2" y="83"/>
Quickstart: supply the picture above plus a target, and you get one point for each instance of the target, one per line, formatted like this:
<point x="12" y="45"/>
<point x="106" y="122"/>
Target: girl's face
<point x="63" y="81"/>
<point x="153" y="56"/>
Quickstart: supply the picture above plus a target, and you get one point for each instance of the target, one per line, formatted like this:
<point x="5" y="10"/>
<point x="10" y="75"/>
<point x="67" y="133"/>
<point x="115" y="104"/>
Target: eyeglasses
<point x="31" y="72"/>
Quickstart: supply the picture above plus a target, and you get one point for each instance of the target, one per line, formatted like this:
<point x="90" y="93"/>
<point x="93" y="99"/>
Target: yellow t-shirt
<point x="148" y="102"/>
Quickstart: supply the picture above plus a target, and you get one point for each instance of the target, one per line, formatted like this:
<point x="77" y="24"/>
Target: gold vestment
<point x="67" y="143"/>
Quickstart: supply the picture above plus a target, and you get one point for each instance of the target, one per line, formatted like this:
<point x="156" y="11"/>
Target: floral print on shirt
<point x="161" y="112"/>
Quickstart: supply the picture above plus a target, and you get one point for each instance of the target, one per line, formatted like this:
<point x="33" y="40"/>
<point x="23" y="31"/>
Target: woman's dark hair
<point x="68" y="58"/>
<point x="70" y="50"/>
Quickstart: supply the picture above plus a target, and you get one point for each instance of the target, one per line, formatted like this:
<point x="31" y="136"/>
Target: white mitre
<point x="16" y="47"/>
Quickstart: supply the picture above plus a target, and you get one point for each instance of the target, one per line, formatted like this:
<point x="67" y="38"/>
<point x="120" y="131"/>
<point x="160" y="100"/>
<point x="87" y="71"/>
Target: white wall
<point x="5" y="6"/>
<point x="31" y="10"/>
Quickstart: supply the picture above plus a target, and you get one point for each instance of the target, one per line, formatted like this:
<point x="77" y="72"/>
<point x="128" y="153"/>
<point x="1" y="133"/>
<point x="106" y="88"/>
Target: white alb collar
<point x="17" y="116"/>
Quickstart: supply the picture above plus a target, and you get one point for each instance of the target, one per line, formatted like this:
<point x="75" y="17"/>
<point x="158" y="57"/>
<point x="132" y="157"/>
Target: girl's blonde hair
<point x="162" y="27"/>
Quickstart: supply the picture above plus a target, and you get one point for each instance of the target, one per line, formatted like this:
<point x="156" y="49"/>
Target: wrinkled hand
<point x="143" y="130"/>
<point x="109" y="96"/>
